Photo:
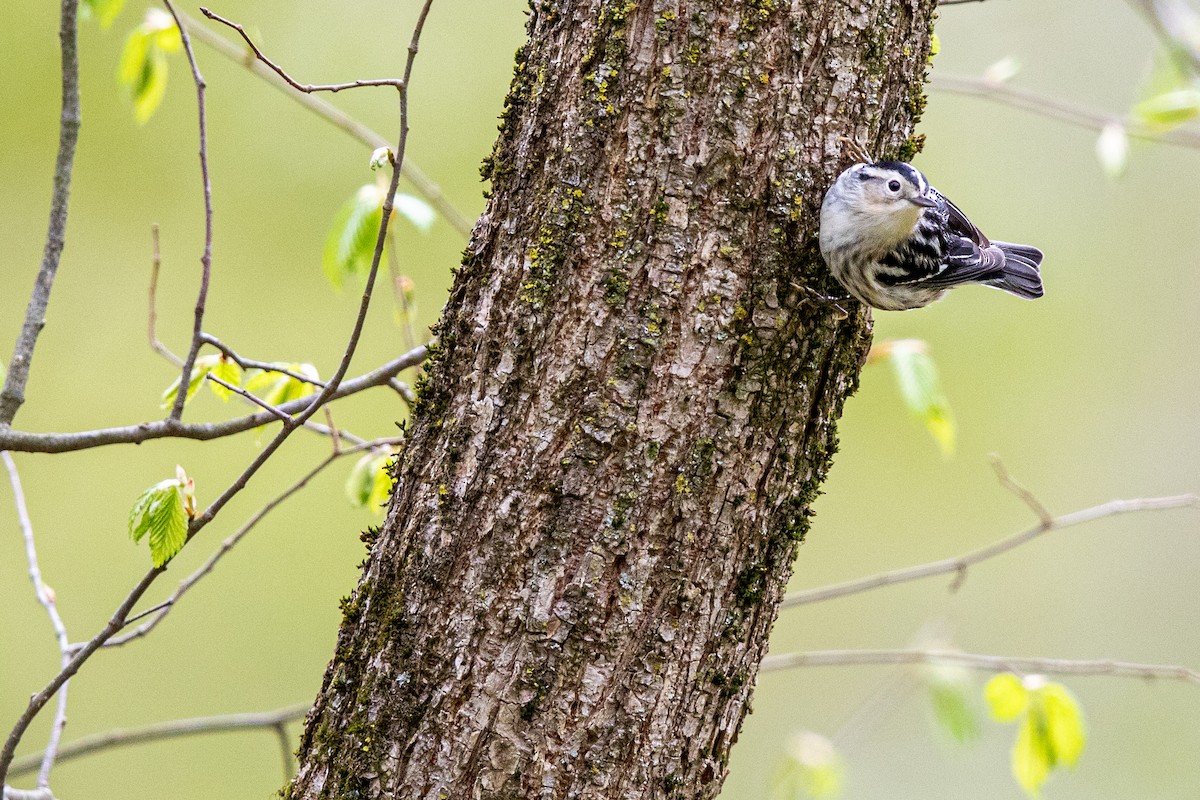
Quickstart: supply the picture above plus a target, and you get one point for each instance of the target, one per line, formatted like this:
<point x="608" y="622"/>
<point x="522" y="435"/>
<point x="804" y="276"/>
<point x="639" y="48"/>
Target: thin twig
<point x="959" y="564"/>
<point x="987" y="663"/>
<point x="160" y="611"/>
<point x="27" y="794"/>
<point x="307" y="88"/>
<point x="1027" y="497"/>
<point x="13" y="393"/>
<point x="1058" y="109"/>
<point x="1173" y="22"/>
<point x="206" y="257"/>
<point x="285" y="749"/>
<point x="364" y="305"/>
<point x="258" y="401"/>
<point x="423" y="185"/>
<point x="39" y="700"/>
<point x="152" y="301"/>
<point x="45" y="596"/>
<point x="334" y="434"/>
<point x="123" y="737"/>
<point x="25" y="442"/>
<point x="250" y="363"/>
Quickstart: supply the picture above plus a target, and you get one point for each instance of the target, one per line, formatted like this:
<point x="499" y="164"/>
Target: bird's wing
<point x="966" y="262"/>
<point x="958" y="222"/>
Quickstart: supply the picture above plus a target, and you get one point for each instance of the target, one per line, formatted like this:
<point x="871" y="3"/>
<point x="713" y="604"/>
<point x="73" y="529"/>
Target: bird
<point x="896" y="243"/>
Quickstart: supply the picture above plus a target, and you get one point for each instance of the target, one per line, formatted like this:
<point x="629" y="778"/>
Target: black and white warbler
<point x="895" y="243"/>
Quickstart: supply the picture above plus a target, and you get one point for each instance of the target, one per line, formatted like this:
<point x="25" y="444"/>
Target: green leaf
<point x="811" y="768"/>
<point x="350" y="245"/>
<point x="369" y="484"/>
<point x="1063" y="723"/>
<point x="1007" y="697"/>
<point x="143" y="66"/>
<point x="161" y="513"/>
<point x="1031" y="757"/>
<point x="105" y="11"/>
<point x="275" y="388"/>
<point x="415" y="210"/>
<point x="951" y="692"/>
<point x="202" y="366"/>
<point x="1169" y="110"/>
<point x="1171" y="96"/>
<point x="921" y="389"/>
<point x="227" y="370"/>
<point x="1051" y="731"/>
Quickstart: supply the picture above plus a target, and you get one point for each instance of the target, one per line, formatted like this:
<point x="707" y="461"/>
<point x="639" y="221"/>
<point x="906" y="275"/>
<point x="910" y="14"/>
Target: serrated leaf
<point x="1063" y="723"/>
<point x="227" y="370"/>
<point x="350" y="245"/>
<point x="1031" y="757"/>
<point x="415" y="210"/>
<point x="105" y="11"/>
<point x="160" y="514"/>
<point x="202" y="366"/>
<point x="1006" y="696"/>
<point x="921" y="389"/>
<point x="1112" y="149"/>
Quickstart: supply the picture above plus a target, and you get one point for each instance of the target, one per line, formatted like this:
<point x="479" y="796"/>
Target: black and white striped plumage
<point x="895" y="243"/>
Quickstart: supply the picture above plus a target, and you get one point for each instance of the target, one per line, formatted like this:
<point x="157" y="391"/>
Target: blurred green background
<point x="1089" y="394"/>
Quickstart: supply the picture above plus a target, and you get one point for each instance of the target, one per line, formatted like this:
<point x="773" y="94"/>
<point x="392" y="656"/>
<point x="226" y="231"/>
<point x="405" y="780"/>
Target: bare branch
<point x="986" y="663"/>
<point x="206" y="257"/>
<point x="123" y="737"/>
<point x="70" y="119"/>
<point x="21" y="441"/>
<point x="307" y="88"/>
<point x="47" y="598"/>
<point x="420" y="181"/>
<point x="959" y="564"/>
<point x="1058" y="109"/>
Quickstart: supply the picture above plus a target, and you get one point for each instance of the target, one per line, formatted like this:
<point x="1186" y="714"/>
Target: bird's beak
<point x="925" y="202"/>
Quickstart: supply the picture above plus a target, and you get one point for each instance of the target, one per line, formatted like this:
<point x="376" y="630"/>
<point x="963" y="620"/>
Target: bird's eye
<point x="894" y="186"/>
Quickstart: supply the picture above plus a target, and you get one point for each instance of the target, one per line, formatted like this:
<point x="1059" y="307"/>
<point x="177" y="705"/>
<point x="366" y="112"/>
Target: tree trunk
<point x="631" y="410"/>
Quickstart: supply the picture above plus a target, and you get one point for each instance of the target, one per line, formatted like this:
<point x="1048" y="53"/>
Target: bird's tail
<point x="1021" y="275"/>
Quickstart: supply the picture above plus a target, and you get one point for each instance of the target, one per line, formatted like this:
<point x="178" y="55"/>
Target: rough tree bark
<point x="632" y="408"/>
